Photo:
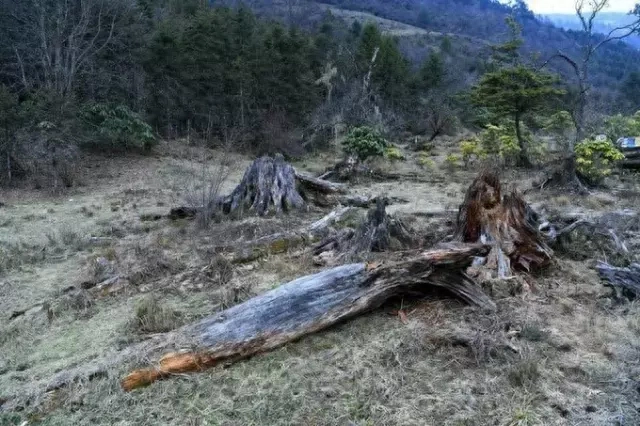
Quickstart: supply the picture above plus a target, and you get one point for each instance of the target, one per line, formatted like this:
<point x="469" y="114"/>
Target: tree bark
<point x="506" y="222"/>
<point x="312" y="303"/>
<point x="269" y="185"/>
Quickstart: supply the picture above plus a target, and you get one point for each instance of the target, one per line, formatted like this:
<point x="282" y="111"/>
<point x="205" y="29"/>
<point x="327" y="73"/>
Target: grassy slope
<point x="557" y="354"/>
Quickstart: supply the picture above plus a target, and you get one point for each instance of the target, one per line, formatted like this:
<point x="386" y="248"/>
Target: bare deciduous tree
<point x="587" y="12"/>
<point x="54" y="41"/>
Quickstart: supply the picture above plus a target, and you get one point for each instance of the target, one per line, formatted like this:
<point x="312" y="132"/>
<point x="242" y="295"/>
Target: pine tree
<point x="515" y="89"/>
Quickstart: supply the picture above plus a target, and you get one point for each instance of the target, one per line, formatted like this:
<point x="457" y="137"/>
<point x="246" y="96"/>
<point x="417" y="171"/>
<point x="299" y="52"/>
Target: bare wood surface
<point x="312" y="303"/>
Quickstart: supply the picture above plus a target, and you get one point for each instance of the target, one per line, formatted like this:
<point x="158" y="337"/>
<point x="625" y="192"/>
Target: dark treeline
<point x="118" y="74"/>
<point x="95" y="72"/>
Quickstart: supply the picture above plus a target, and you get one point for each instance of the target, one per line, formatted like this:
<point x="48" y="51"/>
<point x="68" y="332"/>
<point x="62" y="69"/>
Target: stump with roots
<point x="379" y="232"/>
<point x="507" y="223"/>
<point x="269" y="185"/>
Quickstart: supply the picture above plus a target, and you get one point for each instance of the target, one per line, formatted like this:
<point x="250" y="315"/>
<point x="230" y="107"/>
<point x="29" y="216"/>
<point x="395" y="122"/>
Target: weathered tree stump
<point x="507" y="223"/>
<point x="379" y="232"/>
<point x="269" y="185"/>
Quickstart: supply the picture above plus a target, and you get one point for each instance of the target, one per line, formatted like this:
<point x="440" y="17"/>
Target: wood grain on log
<point x="312" y="303"/>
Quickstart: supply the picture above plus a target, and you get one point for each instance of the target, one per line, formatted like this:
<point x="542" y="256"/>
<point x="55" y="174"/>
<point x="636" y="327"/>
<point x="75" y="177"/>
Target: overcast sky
<point x="568" y="6"/>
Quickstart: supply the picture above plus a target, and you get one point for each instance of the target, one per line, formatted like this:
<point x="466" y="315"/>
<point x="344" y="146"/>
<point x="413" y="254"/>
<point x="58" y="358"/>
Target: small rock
<point x="590" y="409"/>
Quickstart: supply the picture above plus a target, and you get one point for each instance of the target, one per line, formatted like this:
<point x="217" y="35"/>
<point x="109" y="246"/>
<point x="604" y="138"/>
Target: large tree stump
<point x="506" y="222"/>
<point x="269" y="185"/>
<point x="312" y="303"/>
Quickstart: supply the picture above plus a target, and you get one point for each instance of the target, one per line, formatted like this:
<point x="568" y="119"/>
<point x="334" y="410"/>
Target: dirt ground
<point x="561" y="351"/>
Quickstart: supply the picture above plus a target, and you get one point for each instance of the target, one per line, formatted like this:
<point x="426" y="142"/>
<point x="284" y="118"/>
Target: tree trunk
<point x="269" y="185"/>
<point x="523" y="159"/>
<point x="313" y="303"/>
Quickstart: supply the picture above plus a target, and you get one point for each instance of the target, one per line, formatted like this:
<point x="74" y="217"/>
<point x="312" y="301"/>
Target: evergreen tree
<point x="515" y="89"/>
<point x="432" y="72"/>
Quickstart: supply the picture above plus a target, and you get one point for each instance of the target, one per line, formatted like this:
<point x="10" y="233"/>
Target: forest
<point x="280" y="77"/>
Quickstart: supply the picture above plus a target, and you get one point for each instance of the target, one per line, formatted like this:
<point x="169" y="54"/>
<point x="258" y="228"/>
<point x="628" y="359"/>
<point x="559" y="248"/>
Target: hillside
<point x="474" y="23"/>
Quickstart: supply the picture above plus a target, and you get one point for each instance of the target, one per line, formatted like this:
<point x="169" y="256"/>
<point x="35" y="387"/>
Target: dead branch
<point x="625" y="281"/>
<point x="282" y="242"/>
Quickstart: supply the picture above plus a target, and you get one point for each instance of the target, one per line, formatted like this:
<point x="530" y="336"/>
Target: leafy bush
<point x="118" y="126"/>
<point x="365" y="142"/>
<point x="452" y="161"/>
<point x="499" y="142"/>
<point x="594" y="159"/>
<point x="425" y="160"/>
<point x="471" y="151"/>
<point x="394" y="154"/>
<point x="619" y="126"/>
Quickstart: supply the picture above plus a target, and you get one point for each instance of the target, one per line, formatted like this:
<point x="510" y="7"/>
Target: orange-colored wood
<point x="172" y="363"/>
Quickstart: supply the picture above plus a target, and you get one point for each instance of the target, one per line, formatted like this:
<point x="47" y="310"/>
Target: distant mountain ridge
<point x="605" y="23"/>
<point x="472" y="25"/>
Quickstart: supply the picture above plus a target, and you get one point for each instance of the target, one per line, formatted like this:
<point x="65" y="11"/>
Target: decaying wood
<point x="377" y="233"/>
<point x="506" y="222"/>
<point x="366" y="202"/>
<point x="626" y="281"/>
<point x="282" y="242"/>
<point x="313" y="303"/>
<point x="269" y="185"/>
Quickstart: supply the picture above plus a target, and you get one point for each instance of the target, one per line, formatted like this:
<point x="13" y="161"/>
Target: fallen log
<point x="312" y="303"/>
<point x="625" y="281"/>
<point x="282" y="242"/>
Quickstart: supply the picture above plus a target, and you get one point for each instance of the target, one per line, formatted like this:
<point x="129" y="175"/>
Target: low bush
<point x="365" y="142"/>
<point x="116" y="127"/>
<point x="595" y="159"/>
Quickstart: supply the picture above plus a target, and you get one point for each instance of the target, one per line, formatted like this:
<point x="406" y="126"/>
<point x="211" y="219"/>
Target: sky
<point x="568" y="6"/>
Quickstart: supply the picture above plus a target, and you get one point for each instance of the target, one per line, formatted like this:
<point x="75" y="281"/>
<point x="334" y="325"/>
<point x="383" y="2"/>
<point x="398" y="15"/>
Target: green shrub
<point x="594" y="159"/>
<point x="619" y="126"/>
<point x="365" y="142"/>
<point x="499" y="142"/>
<point x="394" y="154"/>
<point x="471" y="151"/>
<point x="117" y="127"/>
<point x="452" y="161"/>
<point x="425" y="160"/>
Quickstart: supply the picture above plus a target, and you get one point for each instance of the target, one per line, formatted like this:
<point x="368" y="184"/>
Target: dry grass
<point x="151" y="316"/>
<point x="563" y="353"/>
